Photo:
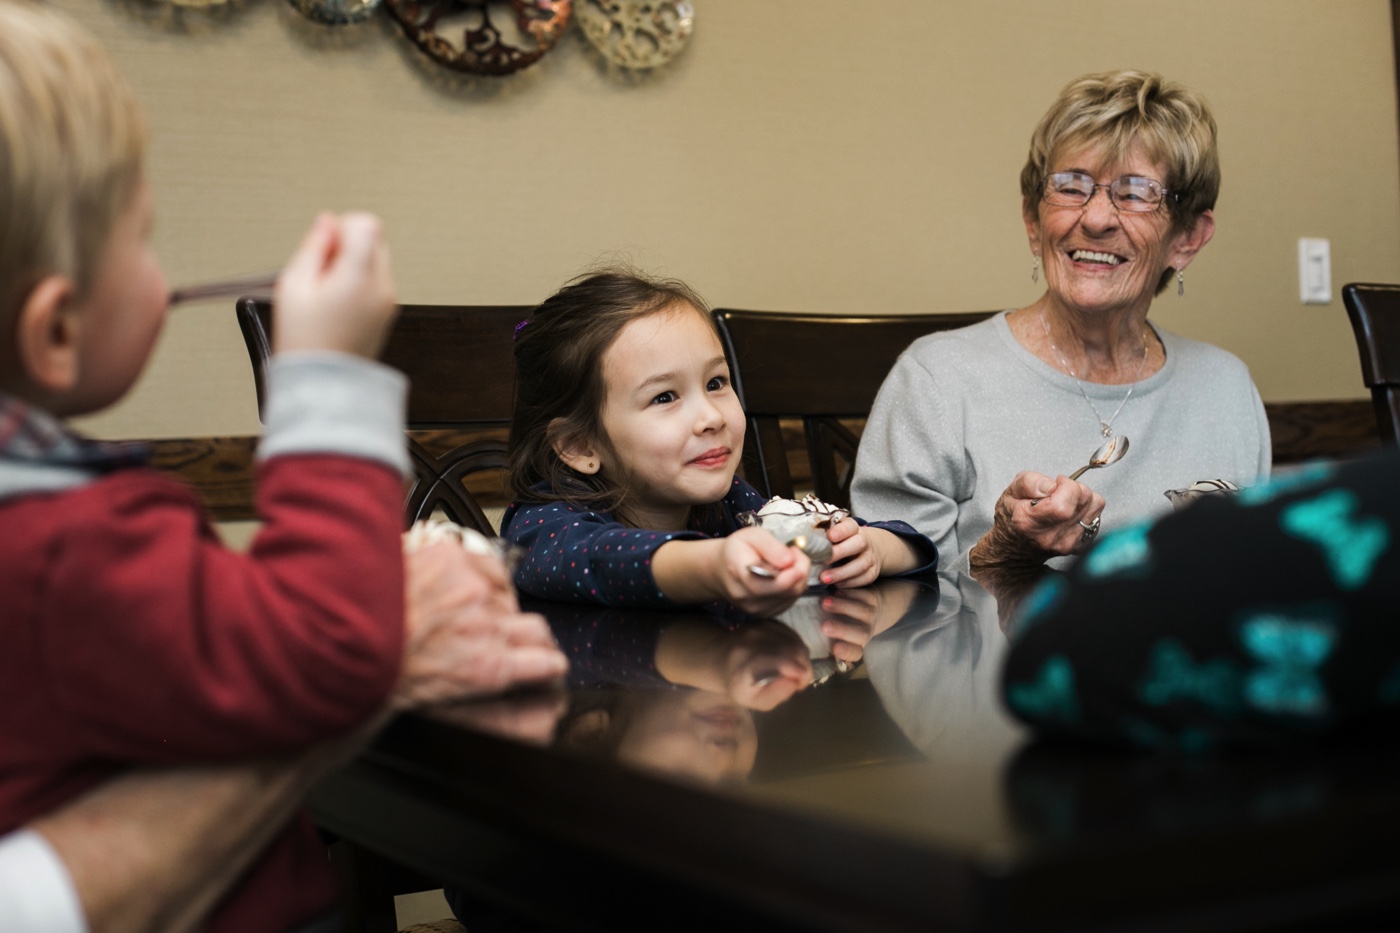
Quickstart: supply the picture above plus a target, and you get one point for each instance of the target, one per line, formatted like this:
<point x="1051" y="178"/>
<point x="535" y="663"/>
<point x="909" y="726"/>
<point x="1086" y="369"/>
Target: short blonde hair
<point x="72" y="143"/>
<point x="1118" y="110"/>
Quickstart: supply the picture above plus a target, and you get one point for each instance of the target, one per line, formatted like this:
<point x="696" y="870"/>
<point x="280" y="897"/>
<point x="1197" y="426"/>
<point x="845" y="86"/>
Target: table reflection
<point x="689" y="694"/>
<point x="734" y="769"/>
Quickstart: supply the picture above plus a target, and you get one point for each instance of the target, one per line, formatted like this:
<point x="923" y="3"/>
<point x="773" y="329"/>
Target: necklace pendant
<point x="1105" y="429"/>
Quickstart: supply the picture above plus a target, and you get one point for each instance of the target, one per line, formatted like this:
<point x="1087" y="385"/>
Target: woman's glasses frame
<point x="1134" y="194"/>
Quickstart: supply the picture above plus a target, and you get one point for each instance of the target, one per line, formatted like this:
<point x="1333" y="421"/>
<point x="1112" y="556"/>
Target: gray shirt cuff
<point x="336" y="403"/>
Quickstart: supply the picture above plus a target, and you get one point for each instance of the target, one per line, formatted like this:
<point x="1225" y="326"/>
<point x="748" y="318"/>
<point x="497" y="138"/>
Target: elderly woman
<point x="974" y="428"/>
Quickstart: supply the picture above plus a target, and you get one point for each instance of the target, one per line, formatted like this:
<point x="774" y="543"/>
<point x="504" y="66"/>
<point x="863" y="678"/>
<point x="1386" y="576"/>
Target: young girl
<point x="623" y="447"/>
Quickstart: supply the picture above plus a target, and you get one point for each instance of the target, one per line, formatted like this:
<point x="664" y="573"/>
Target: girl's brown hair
<point x="559" y="385"/>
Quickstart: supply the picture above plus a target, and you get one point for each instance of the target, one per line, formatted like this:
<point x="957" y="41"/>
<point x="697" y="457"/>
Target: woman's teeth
<point x="1084" y="255"/>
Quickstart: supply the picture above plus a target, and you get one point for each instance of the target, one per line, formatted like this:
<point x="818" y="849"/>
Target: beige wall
<point x="800" y="154"/>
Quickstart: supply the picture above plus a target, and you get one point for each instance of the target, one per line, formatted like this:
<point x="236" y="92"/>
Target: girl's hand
<point x="853" y="561"/>
<point x="754" y="594"/>
<point x="1038" y="518"/>
<point x="861" y="554"/>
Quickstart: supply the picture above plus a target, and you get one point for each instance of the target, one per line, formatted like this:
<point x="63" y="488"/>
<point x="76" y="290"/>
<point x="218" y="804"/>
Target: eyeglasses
<point x="1132" y="193"/>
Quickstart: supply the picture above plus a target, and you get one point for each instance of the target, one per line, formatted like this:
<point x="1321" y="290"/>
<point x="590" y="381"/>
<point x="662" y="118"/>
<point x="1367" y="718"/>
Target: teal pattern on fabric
<point x="1050" y="696"/>
<point x="1174" y="675"/>
<point x="1351" y="544"/>
<point x="1290" y="649"/>
<point x="1302" y="478"/>
<point x="1038" y="604"/>
<point x="1125" y="552"/>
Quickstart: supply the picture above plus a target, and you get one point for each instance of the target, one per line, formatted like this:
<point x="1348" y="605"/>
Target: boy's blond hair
<point x="72" y="142"/>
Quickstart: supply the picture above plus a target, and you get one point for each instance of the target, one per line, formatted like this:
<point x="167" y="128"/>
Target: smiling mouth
<point x="1089" y="255"/>
<point x="712" y="457"/>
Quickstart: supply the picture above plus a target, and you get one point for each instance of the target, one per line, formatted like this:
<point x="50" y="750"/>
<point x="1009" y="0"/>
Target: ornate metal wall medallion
<point x="336" y="12"/>
<point x="637" y="33"/>
<point x="483" y="50"/>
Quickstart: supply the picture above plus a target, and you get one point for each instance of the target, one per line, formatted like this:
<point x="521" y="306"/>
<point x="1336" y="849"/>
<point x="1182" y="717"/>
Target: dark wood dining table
<point x="688" y="779"/>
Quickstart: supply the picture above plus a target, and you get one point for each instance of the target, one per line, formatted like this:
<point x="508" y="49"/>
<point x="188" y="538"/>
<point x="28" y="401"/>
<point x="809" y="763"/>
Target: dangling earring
<point x="1035" y="269"/>
<point x="1180" y="283"/>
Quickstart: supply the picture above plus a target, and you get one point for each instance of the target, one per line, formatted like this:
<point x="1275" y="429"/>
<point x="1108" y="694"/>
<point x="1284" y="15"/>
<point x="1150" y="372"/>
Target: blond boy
<point x="128" y="635"/>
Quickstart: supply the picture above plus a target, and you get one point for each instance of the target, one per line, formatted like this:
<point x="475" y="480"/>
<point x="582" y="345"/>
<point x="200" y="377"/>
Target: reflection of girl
<point x="757" y="665"/>
<point x="662" y="692"/>
<point x="624" y="443"/>
<point x="692" y="734"/>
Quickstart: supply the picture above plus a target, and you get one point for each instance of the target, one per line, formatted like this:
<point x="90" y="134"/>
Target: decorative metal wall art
<point x="634" y="34"/>
<point x="637" y="33"/>
<point x="336" y="12"/>
<point x="483" y="51"/>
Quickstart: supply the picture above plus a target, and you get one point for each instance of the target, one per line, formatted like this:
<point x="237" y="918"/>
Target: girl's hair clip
<point x="519" y="327"/>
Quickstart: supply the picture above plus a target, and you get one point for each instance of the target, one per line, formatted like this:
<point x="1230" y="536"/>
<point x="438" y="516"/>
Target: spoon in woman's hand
<point x="1111" y="451"/>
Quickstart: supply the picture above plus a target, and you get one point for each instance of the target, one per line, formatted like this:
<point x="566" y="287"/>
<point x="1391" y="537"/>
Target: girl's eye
<point x="717" y="383"/>
<point x="665" y="398"/>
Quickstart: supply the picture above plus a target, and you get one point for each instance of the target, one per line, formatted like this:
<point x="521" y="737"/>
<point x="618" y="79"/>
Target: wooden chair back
<point x="461" y="366"/>
<point x="1375" y="319"/>
<point x="822" y="369"/>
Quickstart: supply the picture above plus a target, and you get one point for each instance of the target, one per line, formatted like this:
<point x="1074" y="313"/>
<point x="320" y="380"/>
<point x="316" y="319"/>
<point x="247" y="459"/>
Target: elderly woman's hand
<point x="1037" y="518"/>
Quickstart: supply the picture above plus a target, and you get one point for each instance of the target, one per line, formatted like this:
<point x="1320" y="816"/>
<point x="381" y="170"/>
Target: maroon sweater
<point x="132" y="636"/>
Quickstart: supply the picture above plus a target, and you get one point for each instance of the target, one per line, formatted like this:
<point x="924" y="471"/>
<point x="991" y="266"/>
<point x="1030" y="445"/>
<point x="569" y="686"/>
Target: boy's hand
<point x="336" y="292"/>
<point x="466" y="635"/>
<point x="752" y="593"/>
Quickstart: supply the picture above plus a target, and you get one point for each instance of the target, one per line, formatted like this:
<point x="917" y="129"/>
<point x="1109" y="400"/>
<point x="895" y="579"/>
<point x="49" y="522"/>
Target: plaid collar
<point x="30" y="435"/>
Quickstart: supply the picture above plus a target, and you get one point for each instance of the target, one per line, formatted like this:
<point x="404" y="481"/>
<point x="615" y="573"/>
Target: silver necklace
<point x="1105" y="425"/>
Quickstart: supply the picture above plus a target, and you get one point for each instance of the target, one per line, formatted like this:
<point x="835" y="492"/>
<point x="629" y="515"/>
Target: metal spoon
<point x="1110" y="451"/>
<point x="769" y="573"/>
<point x="258" y="286"/>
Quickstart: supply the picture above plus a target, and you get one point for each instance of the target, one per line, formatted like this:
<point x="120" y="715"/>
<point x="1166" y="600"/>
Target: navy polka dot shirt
<point x="586" y="555"/>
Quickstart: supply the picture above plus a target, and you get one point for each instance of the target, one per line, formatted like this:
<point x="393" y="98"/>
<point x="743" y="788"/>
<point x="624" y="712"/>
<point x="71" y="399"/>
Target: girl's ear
<point x="46" y="336"/>
<point x="577" y="454"/>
